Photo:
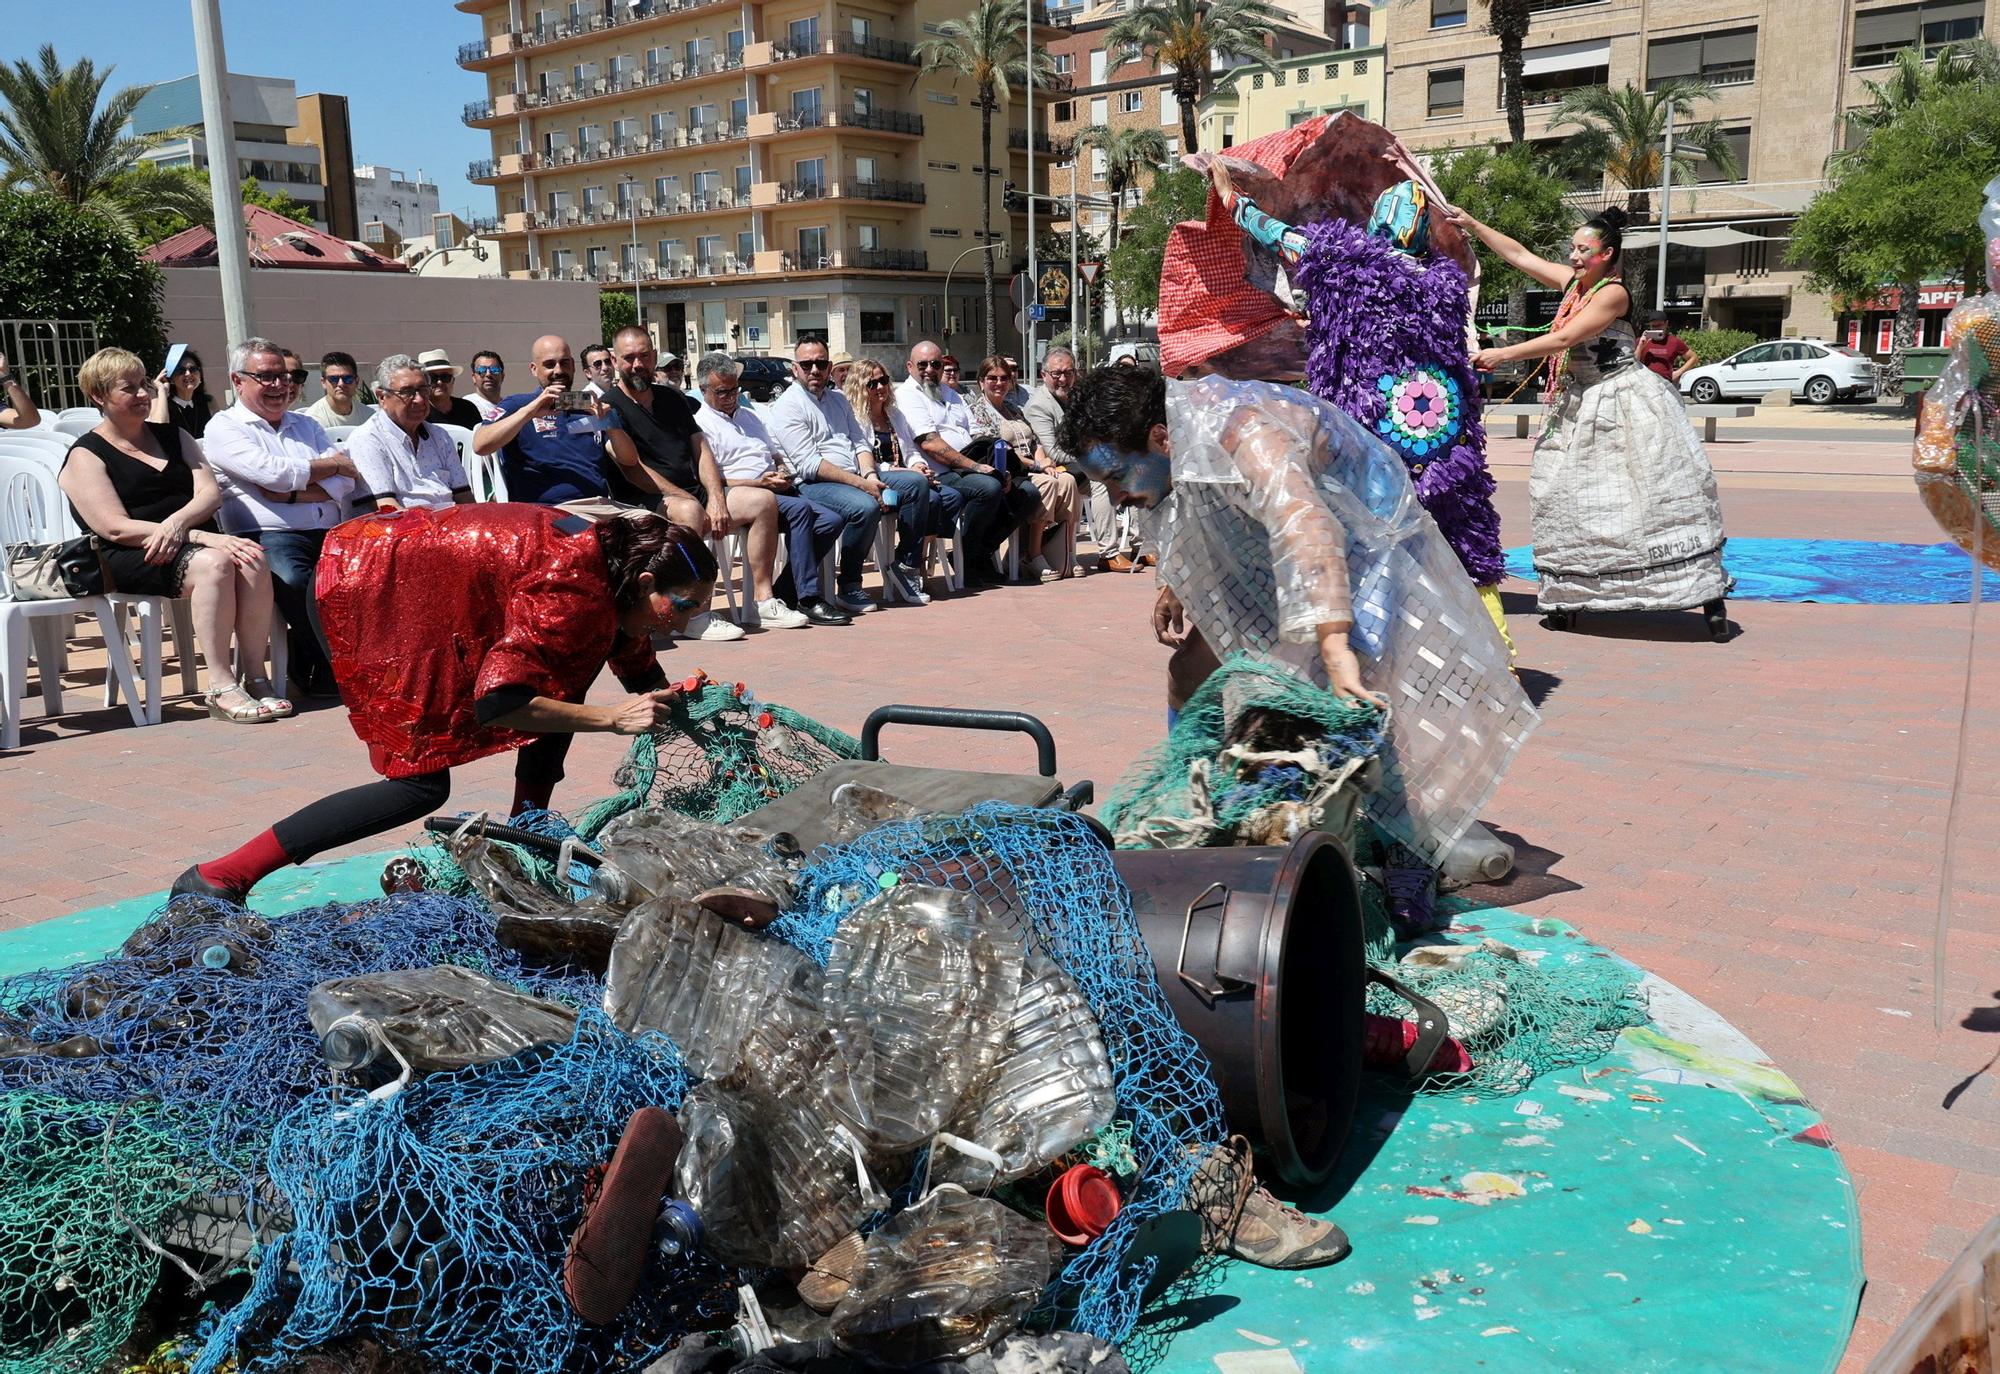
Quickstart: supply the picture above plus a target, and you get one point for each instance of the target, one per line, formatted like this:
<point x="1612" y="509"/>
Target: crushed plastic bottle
<point x="656" y="852"/>
<point x="1477" y="856"/>
<point x="944" y="1280"/>
<point x="920" y="984"/>
<point x="1050" y="1088"/>
<point x="496" y="874"/>
<point x="855" y="808"/>
<point x="774" y="1184"/>
<point x="437" y="1019"/>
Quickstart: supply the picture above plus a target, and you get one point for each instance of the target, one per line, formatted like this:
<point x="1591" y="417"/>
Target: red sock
<point x="531" y="796"/>
<point x="241" y="870"/>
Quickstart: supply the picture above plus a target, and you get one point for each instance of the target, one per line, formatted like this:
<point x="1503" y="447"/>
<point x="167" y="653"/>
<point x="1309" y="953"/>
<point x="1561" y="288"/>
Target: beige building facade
<point x="1248" y="104"/>
<point x="760" y="172"/>
<point x="1786" y="73"/>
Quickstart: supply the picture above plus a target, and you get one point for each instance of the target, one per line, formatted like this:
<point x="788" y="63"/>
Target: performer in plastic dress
<point x="1957" y="453"/>
<point x="1621" y="494"/>
<point x="1387" y="333"/>
<point x="470" y="631"/>
<point x="1287" y="530"/>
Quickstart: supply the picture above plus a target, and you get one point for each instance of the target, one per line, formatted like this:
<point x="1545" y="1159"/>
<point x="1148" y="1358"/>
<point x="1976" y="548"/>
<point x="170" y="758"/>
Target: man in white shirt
<point x="340" y="375"/>
<point x="400" y="459"/>
<point x="943" y="426"/>
<point x="284" y="484"/>
<point x="832" y="458"/>
<point x="489" y="375"/>
<point x="761" y="494"/>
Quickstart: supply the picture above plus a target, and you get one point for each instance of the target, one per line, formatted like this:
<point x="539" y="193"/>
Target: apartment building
<point x="1786" y="73"/>
<point x="297" y="146"/>
<point x="393" y="207"/>
<point x="1248" y="103"/>
<point x="760" y="172"/>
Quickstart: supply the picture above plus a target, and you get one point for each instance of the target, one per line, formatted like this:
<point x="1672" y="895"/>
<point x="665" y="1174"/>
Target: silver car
<point x="1812" y="369"/>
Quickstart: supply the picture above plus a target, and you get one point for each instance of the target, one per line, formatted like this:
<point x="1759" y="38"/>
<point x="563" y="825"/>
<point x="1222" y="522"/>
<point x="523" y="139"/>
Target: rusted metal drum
<point x="1261" y="953"/>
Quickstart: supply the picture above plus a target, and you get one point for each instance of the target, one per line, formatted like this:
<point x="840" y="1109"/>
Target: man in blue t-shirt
<point x="549" y="454"/>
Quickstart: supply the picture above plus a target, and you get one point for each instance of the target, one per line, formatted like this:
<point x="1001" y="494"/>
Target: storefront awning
<point x="1566" y="57"/>
<point x="1719" y="236"/>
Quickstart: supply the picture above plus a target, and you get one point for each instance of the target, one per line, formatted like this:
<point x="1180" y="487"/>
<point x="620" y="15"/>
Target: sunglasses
<point x="931" y="366"/>
<point x="596" y="363"/>
<point x="874" y="382"/>
<point x="814" y="364"/>
<point x="491" y="371"/>
<point x="441" y="379"/>
<point x="266" y="378"/>
<point x="403" y="393"/>
<point x="297" y="376"/>
<point x="189" y="370"/>
<point x="335" y="379"/>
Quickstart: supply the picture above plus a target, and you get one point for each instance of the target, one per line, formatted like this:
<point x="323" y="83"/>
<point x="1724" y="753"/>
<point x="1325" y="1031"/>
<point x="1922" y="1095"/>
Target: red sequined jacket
<point x="428" y="611"/>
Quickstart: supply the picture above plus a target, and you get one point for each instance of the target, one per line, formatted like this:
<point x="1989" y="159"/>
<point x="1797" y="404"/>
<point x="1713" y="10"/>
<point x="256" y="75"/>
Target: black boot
<point x="1717" y="614"/>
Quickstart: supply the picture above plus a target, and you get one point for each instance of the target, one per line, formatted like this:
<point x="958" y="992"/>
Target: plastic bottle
<point x="944" y="1280"/>
<point x="920" y="984"/>
<point x="658" y="852"/>
<point x="1050" y="1088"/>
<point x="1477" y="856"/>
<point x="438" y="1019"/>
<point x="998" y="458"/>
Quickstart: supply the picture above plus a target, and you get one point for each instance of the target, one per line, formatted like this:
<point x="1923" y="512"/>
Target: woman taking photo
<point x="1621" y="493"/>
<point x="1053" y="528"/>
<point x="475" y="630"/>
<point x="142" y="488"/>
<point x="182" y="399"/>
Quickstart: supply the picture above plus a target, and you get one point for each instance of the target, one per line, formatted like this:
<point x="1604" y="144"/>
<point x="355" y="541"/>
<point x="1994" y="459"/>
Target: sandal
<point x="252" y="712"/>
<point x="261" y="689"/>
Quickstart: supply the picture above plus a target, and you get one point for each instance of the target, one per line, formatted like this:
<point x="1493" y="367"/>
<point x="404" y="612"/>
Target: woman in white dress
<point x="1621" y="493"/>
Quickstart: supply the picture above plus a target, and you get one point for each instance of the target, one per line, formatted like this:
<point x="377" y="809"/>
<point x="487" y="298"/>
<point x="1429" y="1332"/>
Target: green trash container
<point x="1921" y="367"/>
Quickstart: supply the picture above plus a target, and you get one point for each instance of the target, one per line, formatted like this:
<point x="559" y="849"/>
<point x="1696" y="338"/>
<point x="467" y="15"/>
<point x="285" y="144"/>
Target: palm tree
<point x="1127" y="153"/>
<point x="56" y="139"/>
<point x="1189" y="35"/>
<point x="1624" y="131"/>
<point x="989" y="48"/>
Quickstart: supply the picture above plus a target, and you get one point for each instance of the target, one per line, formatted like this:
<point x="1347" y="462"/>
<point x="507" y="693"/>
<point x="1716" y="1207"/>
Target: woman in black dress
<point x="142" y="488"/>
<point x="183" y="398"/>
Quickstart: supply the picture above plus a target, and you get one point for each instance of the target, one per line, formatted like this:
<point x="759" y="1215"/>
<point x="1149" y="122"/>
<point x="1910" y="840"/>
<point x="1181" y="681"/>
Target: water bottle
<point x="679" y="1230"/>
<point x="1050" y="1088"/>
<point x="889" y="498"/>
<point x="438" y="1019"/>
<point x="1477" y="856"/>
<point x="659" y="852"/>
<point x="999" y="457"/>
<point x="919" y="987"/>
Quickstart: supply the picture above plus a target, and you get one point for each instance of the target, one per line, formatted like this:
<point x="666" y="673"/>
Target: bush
<point x="1713" y="345"/>
<point x="616" y="310"/>
<point x="58" y="263"/>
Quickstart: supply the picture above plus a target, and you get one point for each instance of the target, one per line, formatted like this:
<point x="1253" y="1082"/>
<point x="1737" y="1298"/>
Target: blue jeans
<point x="917" y="511"/>
<point x="809" y="532"/>
<point x="293" y="556"/>
<point x="860" y="511"/>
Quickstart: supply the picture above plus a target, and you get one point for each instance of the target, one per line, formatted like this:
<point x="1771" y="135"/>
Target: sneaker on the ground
<point x="713" y="629"/>
<point x="776" y="615"/>
<point x="854" y="601"/>
<point x="909" y="583"/>
<point x="1243" y="1220"/>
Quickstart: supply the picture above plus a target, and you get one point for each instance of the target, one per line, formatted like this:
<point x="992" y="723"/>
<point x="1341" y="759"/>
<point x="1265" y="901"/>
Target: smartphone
<point x="575" y="400"/>
<point x="174" y="356"/>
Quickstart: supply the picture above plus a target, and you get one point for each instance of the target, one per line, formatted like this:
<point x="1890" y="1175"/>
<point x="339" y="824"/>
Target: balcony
<point x="619" y="17"/>
<point x="887" y="50"/>
<point x="771" y="124"/>
<point x="890" y="260"/>
<point x="1046" y="146"/>
<point x="472" y="53"/>
<point x="846" y="260"/>
<point x="722" y="201"/>
<point x="902" y="192"/>
<point x="606" y="87"/>
<point x="477" y="110"/>
<point x="486" y="169"/>
<point x="615" y="150"/>
<point x="486" y="224"/>
<point x="768" y="194"/>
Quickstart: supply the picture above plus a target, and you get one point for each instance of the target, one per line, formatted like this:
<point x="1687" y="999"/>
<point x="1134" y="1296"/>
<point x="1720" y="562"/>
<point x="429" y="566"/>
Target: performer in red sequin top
<point x="464" y="632"/>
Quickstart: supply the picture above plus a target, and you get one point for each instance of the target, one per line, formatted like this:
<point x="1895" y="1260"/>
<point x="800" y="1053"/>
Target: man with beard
<point x="1117" y="539"/>
<point x="994" y="506"/>
<point x="549" y="454"/>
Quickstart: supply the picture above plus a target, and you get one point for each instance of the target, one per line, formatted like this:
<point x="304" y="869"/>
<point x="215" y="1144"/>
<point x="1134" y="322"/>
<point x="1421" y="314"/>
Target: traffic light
<point x="1012" y="201"/>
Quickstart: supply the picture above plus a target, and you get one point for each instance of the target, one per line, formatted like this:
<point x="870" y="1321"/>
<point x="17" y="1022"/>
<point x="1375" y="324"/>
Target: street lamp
<point x="638" y="292"/>
<point x="1000" y="244"/>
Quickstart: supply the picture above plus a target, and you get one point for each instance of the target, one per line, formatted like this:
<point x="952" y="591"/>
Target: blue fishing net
<point x="436" y="1220"/>
<point x="1048" y="872"/>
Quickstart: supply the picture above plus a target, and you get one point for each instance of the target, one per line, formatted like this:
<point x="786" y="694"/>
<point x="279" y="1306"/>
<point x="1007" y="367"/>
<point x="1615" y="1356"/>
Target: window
<point x="1728" y="58"/>
<point x="1762" y="353"/>
<point x="1064" y="112"/>
<point x="945" y="233"/>
<point x="1131" y="102"/>
<point x="707" y="247"/>
<point x="812" y="246"/>
<point x="864" y="101"/>
<point x="628" y="259"/>
<point x="706" y="185"/>
<point x="701" y="116"/>
<point x="594" y="259"/>
<point x="1447" y="92"/>
<point x="563" y="259"/>
<point x="859" y="29"/>
<point x="756" y="323"/>
<point x="623" y="131"/>
<point x="735" y="44"/>
<point x="746" y="245"/>
<point x="1098" y="164"/>
<point x="1065" y="62"/>
<point x="715" y="324"/>
<point x="1297" y="117"/>
<point x="1229" y="131"/>
<point x="739" y="112"/>
<point x="943" y="166"/>
<point x="553" y="143"/>
<point x="878" y="326"/>
<point x="1880" y="34"/>
<point x="664" y="191"/>
<point x="808" y="318"/>
<point x="868" y="237"/>
<point x="661" y="125"/>
<point x="1100" y="110"/>
<point x="588" y="136"/>
<point x="864" y="170"/>
<point x="593" y="196"/>
<point x="658" y="64"/>
<point x="803" y="35"/>
<point x="671" y="250"/>
<point x="745" y="178"/>
<point x="810" y="172"/>
<point x="940" y="97"/>
<point x="1173" y="149"/>
<point x="628" y="196"/>
<point x="1098" y="58"/>
<point x="1550" y="73"/>
<point x="1739" y="144"/>
<point x="622" y="70"/>
<point x="696" y="50"/>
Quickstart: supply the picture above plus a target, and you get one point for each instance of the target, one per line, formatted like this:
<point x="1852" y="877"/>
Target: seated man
<point x="447" y="409"/>
<point x="994" y="505"/>
<point x="403" y="460"/>
<point x="552" y="444"/>
<point x="832" y="458"/>
<point x="761" y="494"/>
<point x="489" y="374"/>
<point x="1117" y="543"/>
<point x="340" y="375"/>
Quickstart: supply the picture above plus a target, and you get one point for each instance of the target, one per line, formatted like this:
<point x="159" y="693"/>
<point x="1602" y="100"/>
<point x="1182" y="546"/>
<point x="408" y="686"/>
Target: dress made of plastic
<point x="1287" y="514"/>
<point x="1957" y="453"/>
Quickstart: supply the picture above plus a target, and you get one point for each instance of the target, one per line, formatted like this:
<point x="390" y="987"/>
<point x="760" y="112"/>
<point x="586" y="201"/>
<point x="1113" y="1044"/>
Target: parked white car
<point x="1813" y="369"/>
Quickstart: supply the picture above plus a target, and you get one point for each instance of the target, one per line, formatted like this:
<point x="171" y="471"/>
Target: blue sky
<point x="395" y="63"/>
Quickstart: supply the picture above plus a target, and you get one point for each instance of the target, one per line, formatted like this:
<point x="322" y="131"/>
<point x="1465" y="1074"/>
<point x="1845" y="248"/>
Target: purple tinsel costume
<point x="1387" y="339"/>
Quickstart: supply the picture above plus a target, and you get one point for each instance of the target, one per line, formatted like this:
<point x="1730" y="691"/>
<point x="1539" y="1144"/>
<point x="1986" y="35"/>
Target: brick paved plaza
<point x="1761" y="822"/>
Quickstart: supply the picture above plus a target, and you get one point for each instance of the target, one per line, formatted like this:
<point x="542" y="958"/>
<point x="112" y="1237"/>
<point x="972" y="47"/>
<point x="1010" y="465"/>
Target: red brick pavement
<point x="1760" y="822"/>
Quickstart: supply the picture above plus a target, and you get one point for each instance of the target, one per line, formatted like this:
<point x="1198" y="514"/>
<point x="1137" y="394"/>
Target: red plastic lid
<point x="1082" y="1203"/>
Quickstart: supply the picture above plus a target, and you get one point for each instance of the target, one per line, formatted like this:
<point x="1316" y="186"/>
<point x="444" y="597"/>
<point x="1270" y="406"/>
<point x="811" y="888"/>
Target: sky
<point x="396" y="64"/>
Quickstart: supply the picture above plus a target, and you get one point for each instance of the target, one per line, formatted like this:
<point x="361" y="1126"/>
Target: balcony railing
<point x="472" y="52"/>
<point x="908" y="192"/>
<point x="577" y="216"/>
<point x="1052" y="147"/>
<point x="805" y="190"/>
<point x="569" y="93"/>
<point x="884" y="121"/>
<point x="881" y="49"/>
<point x="476" y="110"/>
<point x="482" y="170"/>
<point x="619" y="16"/>
<point x="486" y="224"/>
<point x="891" y="259"/>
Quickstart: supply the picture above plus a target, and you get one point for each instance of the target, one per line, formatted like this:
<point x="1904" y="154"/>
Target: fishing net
<point x="1186" y="792"/>
<point x="436" y="1220"/>
<point x="721" y="755"/>
<point x="1047" y="872"/>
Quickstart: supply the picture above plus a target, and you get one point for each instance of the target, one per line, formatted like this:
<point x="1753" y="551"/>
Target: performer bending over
<point x="469" y="631"/>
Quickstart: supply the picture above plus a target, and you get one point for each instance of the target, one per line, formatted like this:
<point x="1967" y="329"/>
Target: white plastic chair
<point x="43" y="444"/>
<point x="73" y="426"/>
<point x="338" y="433"/>
<point x="32" y="511"/>
<point x="732" y="560"/>
<point x="488" y="482"/>
<point x="79" y="412"/>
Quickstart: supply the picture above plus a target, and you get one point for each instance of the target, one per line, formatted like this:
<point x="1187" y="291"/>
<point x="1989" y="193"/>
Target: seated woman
<point x="182" y="400"/>
<point x="994" y="416"/>
<point x="142" y="488"/>
<point x="17" y="408"/>
<point x="935" y="511"/>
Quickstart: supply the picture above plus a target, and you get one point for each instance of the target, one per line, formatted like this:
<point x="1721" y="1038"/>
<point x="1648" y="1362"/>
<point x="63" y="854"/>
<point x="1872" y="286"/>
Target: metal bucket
<point x="1261" y="953"/>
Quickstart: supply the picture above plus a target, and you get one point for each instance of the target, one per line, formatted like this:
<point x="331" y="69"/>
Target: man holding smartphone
<point x="553" y="443"/>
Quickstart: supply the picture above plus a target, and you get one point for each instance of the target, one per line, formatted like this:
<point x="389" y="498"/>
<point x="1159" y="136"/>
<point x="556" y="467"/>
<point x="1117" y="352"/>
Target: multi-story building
<point x="322" y="124"/>
<point x="266" y="112"/>
<point x="1786" y="73"/>
<point x="1248" y="102"/>
<point x="402" y="207"/>
<point x="759" y="172"/>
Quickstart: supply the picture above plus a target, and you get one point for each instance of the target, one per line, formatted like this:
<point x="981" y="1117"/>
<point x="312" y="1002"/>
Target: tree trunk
<point x="1909" y="325"/>
<point x="986" y="108"/>
<point x="1509" y="22"/>
<point x="1117" y="201"/>
<point x="1187" y="94"/>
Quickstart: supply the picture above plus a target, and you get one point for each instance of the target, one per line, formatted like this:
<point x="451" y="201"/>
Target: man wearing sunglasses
<point x="489" y="375"/>
<point x="284" y="484"/>
<point x="295" y="375"/>
<point x="943" y="426"/>
<point x="341" y="403"/>
<point x="440" y="376"/>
